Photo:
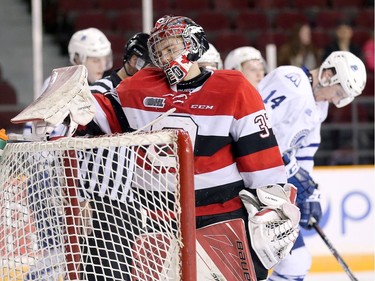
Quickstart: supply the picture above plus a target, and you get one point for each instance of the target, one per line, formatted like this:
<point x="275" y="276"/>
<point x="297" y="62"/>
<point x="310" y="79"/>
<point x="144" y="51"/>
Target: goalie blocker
<point x="273" y="221"/>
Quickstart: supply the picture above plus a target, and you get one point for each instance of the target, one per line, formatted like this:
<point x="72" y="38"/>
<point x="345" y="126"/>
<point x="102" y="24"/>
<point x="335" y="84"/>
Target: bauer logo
<point x="154" y="102"/>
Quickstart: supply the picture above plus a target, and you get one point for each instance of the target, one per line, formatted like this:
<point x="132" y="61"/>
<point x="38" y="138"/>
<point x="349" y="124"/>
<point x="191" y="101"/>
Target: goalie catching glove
<point x="67" y="98"/>
<point x="273" y="221"/>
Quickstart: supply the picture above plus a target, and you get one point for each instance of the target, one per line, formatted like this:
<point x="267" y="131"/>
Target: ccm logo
<point x="202" y="106"/>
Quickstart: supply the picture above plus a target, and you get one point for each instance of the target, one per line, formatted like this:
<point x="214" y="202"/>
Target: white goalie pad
<point x="223" y="252"/>
<point x="68" y="94"/>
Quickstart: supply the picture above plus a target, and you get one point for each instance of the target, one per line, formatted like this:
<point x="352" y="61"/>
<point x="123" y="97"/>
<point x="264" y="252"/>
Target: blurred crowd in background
<point x="304" y="32"/>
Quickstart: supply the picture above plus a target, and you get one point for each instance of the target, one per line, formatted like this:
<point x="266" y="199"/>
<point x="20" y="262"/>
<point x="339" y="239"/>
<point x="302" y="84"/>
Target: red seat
<point x="65" y="6"/>
<point x="269" y="4"/>
<point x="187" y="5"/>
<point x="117" y="42"/>
<point x="277" y="37"/>
<point x="365" y="19"/>
<point x="92" y="18"/>
<point x="369" y="88"/>
<point x="360" y="36"/>
<point x="286" y="19"/>
<point x="213" y="20"/>
<point x="161" y="6"/>
<point x="128" y="21"/>
<point x="226" y="5"/>
<point x="250" y="20"/>
<point x="347" y="3"/>
<point x="321" y="38"/>
<point x="304" y="4"/>
<point x="116" y="5"/>
<point x="328" y="19"/>
<point x="228" y="40"/>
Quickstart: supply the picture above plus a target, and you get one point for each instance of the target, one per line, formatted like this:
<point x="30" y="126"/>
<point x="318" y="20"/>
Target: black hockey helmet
<point x="137" y="45"/>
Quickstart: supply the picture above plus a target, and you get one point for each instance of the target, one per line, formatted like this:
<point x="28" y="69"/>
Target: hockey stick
<point x="334" y="252"/>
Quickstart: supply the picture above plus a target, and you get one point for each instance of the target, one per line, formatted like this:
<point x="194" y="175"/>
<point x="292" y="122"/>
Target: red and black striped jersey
<point x="234" y="146"/>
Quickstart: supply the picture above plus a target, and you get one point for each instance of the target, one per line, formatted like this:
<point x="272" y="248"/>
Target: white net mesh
<point x="103" y="208"/>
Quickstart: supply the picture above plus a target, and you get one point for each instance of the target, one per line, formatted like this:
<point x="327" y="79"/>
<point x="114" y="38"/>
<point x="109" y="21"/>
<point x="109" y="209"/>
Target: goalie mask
<point x="348" y="71"/>
<point x="175" y="43"/>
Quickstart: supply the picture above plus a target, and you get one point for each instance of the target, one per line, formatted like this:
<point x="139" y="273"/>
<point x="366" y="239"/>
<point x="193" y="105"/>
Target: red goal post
<point x="120" y="207"/>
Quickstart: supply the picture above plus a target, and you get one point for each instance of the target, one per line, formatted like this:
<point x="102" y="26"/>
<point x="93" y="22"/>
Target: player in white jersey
<point x="135" y="58"/>
<point x="211" y="59"/>
<point x="91" y="48"/>
<point x="297" y="102"/>
<point x="249" y="61"/>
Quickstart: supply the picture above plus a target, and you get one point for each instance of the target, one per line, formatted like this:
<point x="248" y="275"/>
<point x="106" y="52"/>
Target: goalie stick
<point x="334" y="252"/>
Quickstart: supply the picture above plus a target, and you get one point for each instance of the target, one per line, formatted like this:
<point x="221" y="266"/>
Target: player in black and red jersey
<point x="236" y="153"/>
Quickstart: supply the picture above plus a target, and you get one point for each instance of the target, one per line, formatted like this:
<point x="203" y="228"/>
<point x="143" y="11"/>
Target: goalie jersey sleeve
<point x="295" y="116"/>
<point x="233" y="142"/>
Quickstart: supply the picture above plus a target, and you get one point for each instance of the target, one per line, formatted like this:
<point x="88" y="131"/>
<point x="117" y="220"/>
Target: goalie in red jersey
<point x="238" y="166"/>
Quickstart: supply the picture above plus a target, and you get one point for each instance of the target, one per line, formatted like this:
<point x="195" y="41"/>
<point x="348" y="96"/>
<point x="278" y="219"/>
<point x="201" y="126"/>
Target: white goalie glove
<point x="67" y="97"/>
<point x="273" y="221"/>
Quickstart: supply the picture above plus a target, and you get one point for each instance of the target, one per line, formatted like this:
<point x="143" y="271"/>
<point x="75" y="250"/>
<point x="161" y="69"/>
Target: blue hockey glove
<point x="311" y="210"/>
<point x="300" y="178"/>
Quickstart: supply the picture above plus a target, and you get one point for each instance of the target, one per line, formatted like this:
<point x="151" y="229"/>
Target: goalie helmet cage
<point x="118" y="207"/>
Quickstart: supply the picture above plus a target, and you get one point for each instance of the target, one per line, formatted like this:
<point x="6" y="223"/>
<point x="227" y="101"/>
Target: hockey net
<point x="106" y="208"/>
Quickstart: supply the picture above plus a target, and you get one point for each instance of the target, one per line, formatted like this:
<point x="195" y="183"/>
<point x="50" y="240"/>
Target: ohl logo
<point x="154" y="102"/>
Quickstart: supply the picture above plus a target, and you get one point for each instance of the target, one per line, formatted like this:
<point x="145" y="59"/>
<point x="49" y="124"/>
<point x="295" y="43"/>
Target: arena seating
<point x="69" y="6"/>
<point x="260" y="22"/>
<point x="271" y="4"/>
<point x="346" y="3"/>
<point x="223" y="5"/>
<point x="227" y="40"/>
<point x="287" y="18"/>
<point x="114" y="5"/>
<point x="328" y="19"/>
<point x="312" y="4"/>
<point x="248" y="20"/>
<point x="97" y="18"/>
<point x="365" y="19"/>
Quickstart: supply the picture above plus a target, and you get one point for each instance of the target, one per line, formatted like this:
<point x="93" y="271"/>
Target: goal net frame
<point x="21" y="236"/>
